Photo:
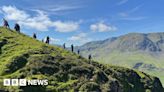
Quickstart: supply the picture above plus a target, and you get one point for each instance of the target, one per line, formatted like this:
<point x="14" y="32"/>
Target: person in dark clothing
<point x="34" y="36"/>
<point x="48" y="40"/>
<point x="64" y="46"/>
<point x="72" y="48"/>
<point x="17" y="27"/>
<point x="5" y="23"/>
<point x="78" y="52"/>
<point x="90" y="58"/>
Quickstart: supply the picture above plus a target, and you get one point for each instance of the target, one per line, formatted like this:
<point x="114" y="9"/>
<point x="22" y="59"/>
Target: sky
<point x="80" y="21"/>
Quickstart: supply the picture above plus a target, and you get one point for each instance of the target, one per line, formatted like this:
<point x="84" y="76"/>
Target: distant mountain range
<point x="144" y="52"/>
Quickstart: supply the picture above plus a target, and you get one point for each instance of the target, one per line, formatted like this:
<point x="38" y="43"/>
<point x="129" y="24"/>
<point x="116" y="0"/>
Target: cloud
<point x="12" y="13"/>
<point x="62" y="8"/>
<point x="128" y="14"/>
<point x="66" y="26"/>
<point x="122" y="2"/>
<point x="133" y="18"/>
<point x="102" y="27"/>
<point x="82" y="38"/>
<point x="135" y="9"/>
<point x="58" y="10"/>
<point x="40" y="21"/>
<point x="53" y="40"/>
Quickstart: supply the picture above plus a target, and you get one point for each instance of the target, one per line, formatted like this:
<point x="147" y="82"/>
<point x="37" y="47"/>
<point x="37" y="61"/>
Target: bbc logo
<point x="14" y="82"/>
<point x="24" y="82"/>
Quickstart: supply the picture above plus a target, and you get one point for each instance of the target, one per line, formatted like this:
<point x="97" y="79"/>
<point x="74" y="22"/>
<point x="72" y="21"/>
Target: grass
<point x="129" y="59"/>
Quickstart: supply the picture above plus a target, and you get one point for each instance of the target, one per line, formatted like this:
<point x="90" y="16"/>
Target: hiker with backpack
<point x="90" y="58"/>
<point x="72" y="48"/>
<point x="34" y="36"/>
<point x="48" y="40"/>
<point x="17" y="27"/>
<point x="5" y="23"/>
<point x="78" y="52"/>
<point x="64" y="46"/>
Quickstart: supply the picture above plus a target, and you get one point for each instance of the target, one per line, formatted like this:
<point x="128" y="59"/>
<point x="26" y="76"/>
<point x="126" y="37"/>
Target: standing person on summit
<point x="5" y="23"/>
<point x="34" y="35"/>
<point x="48" y="40"/>
<point x="78" y="52"/>
<point x="72" y="48"/>
<point x="90" y="58"/>
<point x="17" y="27"/>
<point x="64" y="46"/>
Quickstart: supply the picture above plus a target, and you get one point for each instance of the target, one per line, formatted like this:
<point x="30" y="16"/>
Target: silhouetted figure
<point x="17" y="27"/>
<point x="5" y="23"/>
<point x="90" y="58"/>
<point x="34" y="36"/>
<point x="42" y="40"/>
<point x="78" y="52"/>
<point x="64" y="46"/>
<point x="72" y="48"/>
<point x="48" y="40"/>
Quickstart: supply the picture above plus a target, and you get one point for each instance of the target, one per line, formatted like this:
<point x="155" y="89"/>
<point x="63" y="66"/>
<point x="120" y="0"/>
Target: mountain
<point x="24" y="57"/>
<point x="144" y="52"/>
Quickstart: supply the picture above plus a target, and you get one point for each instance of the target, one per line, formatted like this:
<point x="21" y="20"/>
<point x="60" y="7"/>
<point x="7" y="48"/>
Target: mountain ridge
<point x="148" y="37"/>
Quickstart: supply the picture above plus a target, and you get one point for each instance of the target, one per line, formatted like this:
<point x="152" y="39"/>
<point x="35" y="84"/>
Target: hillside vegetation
<point x="24" y="57"/>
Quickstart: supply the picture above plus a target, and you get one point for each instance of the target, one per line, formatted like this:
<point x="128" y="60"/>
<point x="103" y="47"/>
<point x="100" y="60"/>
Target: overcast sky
<point x="81" y="21"/>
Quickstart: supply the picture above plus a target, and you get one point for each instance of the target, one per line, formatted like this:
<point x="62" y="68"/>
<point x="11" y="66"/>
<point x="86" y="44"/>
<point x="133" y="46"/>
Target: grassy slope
<point x="129" y="59"/>
<point x="25" y="57"/>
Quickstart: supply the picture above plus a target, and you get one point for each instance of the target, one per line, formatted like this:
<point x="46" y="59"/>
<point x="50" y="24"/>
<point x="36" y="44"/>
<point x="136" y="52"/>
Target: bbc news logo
<point x="24" y="82"/>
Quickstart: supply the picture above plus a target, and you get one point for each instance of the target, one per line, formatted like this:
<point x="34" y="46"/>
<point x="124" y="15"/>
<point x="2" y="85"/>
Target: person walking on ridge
<point x="78" y="52"/>
<point x="64" y="46"/>
<point x="5" y="23"/>
<point x="72" y="48"/>
<point x="17" y="27"/>
<point x="34" y="36"/>
<point x="48" y="40"/>
<point x="90" y="58"/>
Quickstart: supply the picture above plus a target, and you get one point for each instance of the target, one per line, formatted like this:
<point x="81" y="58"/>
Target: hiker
<point x="78" y="52"/>
<point x="17" y="27"/>
<point x="72" y="48"/>
<point x="48" y="40"/>
<point x="34" y="36"/>
<point x="64" y="45"/>
<point x="90" y="58"/>
<point x="5" y="23"/>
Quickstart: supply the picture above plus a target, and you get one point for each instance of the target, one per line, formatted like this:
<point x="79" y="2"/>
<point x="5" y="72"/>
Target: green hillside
<point x="24" y="57"/>
<point x="144" y="52"/>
